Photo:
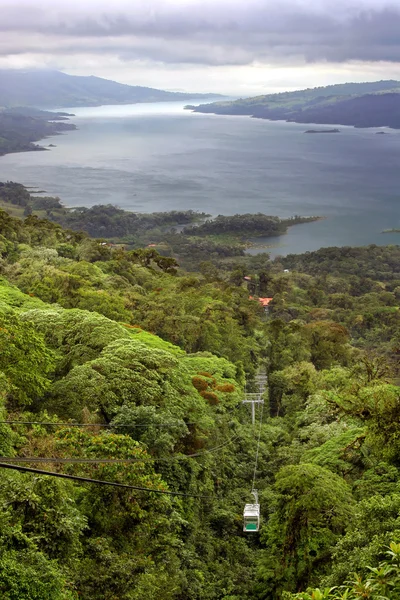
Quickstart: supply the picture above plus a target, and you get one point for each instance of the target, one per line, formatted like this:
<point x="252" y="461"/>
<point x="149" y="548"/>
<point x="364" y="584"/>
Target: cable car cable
<point x="112" y="425"/>
<point x="37" y="459"/>
<point x="99" y="481"/>
<point x="251" y="512"/>
<point x="95" y="424"/>
<point x="258" y="448"/>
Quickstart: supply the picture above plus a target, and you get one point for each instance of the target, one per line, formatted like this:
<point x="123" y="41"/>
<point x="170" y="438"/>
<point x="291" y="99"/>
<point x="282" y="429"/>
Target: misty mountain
<point x="375" y="104"/>
<point x="47" y="88"/>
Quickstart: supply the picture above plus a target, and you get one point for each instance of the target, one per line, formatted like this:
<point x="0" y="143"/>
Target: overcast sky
<point x="238" y="47"/>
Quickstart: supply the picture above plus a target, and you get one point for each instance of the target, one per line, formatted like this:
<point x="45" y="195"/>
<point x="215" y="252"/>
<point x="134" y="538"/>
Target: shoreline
<point x="283" y="120"/>
<point x="37" y="147"/>
<point x="254" y="245"/>
<point x="26" y="130"/>
<point x="293" y="237"/>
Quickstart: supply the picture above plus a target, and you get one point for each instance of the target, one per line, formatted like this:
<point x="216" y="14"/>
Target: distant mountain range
<point x="374" y="104"/>
<point x="53" y="89"/>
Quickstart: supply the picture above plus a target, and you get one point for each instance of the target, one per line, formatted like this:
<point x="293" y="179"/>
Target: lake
<point x="158" y="157"/>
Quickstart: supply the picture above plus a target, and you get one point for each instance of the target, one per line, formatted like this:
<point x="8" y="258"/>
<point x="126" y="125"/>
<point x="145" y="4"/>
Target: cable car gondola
<point x="251" y="515"/>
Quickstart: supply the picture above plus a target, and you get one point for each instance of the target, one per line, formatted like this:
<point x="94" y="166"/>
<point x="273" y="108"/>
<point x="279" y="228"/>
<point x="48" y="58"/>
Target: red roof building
<point x="263" y="301"/>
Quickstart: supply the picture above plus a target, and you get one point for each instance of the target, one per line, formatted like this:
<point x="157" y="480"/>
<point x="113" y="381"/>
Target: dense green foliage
<point x="381" y="582"/>
<point x="189" y="236"/>
<point x="97" y="334"/>
<point x="112" y="222"/>
<point x="247" y="225"/>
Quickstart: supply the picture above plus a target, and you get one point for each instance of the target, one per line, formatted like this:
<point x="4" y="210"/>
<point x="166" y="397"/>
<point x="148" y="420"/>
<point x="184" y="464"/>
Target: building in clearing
<point x="263" y="301"/>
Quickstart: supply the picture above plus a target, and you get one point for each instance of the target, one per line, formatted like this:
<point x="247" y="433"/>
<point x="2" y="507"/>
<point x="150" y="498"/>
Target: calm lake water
<point x="158" y="157"/>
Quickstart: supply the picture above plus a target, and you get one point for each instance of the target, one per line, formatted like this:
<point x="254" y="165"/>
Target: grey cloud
<point x="209" y="33"/>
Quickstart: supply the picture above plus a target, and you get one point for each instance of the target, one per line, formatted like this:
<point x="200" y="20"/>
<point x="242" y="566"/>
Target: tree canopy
<point x="117" y="365"/>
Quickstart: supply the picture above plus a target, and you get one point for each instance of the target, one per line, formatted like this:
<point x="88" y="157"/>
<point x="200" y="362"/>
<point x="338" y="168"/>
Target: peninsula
<point x="356" y="104"/>
<point x="188" y="236"/>
<point x="20" y="128"/>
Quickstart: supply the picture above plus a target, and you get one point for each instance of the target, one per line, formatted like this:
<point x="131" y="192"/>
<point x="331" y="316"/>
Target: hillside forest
<point x="189" y="236"/>
<point x="21" y="127"/>
<point x="368" y="104"/>
<point x="119" y="365"/>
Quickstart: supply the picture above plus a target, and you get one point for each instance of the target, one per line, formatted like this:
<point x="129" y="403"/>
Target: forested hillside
<point x="374" y="104"/>
<point x="117" y="365"/>
<point x="20" y="128"/>
<point x="192" y="237"/>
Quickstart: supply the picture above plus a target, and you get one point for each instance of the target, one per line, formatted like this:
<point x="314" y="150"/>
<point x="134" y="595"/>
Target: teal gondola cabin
<point x="251" y="517"/>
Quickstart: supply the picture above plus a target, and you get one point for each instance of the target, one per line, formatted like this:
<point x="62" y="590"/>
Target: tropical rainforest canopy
<point x="117" y="365"/>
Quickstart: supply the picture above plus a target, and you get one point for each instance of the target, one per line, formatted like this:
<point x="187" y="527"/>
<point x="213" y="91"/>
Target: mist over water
<point x="158" y="157"/>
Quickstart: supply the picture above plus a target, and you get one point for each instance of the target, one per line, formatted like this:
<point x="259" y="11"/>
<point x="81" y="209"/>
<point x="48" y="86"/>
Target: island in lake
<point x="322" y="131"/>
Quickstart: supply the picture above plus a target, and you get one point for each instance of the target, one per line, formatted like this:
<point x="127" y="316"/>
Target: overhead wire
<point x="16" y="467"/>
<point x="258" y="448"/>
<point x="15" y="459"/>
<point x="112" y="425"/>
<point x="99" y="481"/>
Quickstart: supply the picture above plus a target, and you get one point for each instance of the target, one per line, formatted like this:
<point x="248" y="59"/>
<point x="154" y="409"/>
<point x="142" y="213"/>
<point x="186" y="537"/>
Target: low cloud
<point x="224" y="32"/>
